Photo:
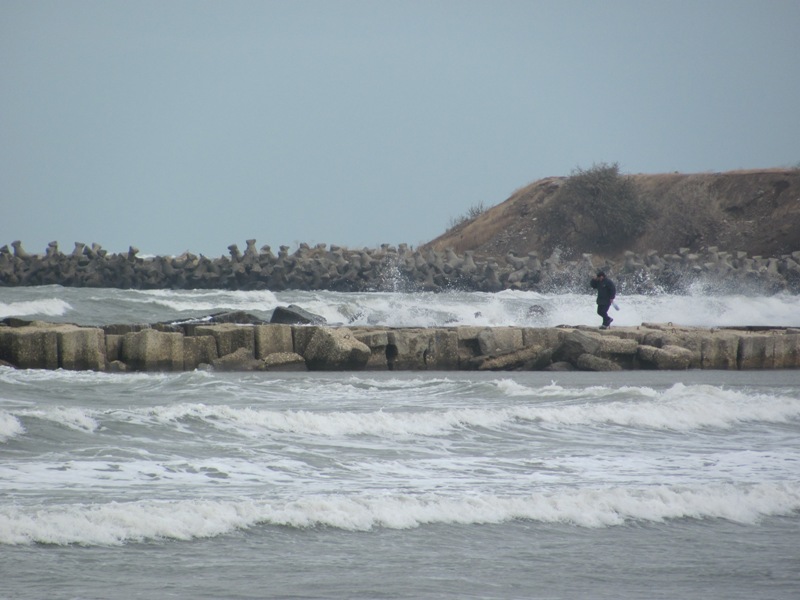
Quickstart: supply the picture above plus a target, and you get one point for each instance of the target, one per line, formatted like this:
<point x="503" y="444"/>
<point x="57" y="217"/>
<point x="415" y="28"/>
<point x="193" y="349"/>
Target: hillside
<point x="754" y="211"/>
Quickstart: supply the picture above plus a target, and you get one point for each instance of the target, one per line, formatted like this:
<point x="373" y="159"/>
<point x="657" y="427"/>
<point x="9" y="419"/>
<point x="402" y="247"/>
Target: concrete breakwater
<point x="390" y="268"/>
<point x="239" y="342"/>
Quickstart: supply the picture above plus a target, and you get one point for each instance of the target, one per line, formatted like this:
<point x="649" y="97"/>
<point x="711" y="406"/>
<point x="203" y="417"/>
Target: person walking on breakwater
<point x="606" y="292"/>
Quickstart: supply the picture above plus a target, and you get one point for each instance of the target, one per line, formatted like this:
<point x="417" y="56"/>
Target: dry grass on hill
<point x="755" y="211"/>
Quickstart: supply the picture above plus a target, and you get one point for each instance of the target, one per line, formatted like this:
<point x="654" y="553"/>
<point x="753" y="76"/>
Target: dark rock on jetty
<point x="295" y="315"/>
<point x="245" y="344"/>
<point x="400" y="269"/>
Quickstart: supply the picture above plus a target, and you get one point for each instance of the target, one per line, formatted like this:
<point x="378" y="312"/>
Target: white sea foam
<point x="679" y="408"/>
<point x="513" y="308"/>
<point x="208" y="300"/>
<point x="331" y="423"/>
<point x="512" y="388"/>
<point x="117" y="523"/>
<point x="419" y="309"/>
<point x="50" y="307"/>
<point x="58" y="377"/>
<point x="172" y="478"/>
<point x="710" y="310"/>
<point x="75" y="418"/>
<point x="9" y="426"/>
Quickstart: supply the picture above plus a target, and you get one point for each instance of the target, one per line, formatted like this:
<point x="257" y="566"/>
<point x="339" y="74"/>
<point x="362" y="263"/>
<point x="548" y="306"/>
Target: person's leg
<point x="602" y="310"/>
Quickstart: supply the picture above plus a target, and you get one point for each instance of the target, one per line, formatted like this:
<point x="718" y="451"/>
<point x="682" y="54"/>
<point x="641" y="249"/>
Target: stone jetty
<point x="390" y="268"/>
<point x="241" y="342"/>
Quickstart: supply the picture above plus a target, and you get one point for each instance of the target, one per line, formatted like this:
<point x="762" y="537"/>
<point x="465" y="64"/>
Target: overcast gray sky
<point x="191" y="125"/>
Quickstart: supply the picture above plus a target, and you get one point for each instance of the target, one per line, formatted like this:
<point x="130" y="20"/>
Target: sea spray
<point x="397" y="309"/>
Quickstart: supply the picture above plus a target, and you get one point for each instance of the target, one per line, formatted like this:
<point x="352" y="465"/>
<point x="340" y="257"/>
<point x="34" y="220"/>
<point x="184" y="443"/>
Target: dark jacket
<point x="606" y="292"/>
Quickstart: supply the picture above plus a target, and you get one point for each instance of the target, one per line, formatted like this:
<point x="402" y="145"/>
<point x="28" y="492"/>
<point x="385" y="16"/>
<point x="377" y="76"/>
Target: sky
<point x="192" y="125"/>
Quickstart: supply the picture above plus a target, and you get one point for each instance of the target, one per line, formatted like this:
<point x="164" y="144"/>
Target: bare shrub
<point x="595" y="208"/>
<point x="475" y="211"/>
<point x="688" y="216"/>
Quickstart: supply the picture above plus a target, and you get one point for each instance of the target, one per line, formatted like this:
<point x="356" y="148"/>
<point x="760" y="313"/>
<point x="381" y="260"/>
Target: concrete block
<point x="590" y="362"/>
<point x="335" y="350"/>
<point x="407" y="349"/>
<point x="500" y="340"/>
<point x="773" y="350"/>
<point x="113" y="347"/>
<point x="198" y="350"/>
<point x="787" y="351"/>
<point x="443" y="353"/>
<point x="240" y="359"/>
<point x="377" y="341"/>
<point x="82" y="348"/>
<point x="437" y="349"/>
<point x="30" y="347"/>
<point x="151" y="350"/>
<point x="545" y="337"/>
<point x="468" y="346"/>
<point x="719" y="350"/>
<point x="230" y="337"/>
<point x="302" y="334"/>
<point x="285" y="361"/>
<point x="612" y="345"/>
<point x="270" y="339"/>
<point x="666" y="358"/>
<point x="755" y="352"/>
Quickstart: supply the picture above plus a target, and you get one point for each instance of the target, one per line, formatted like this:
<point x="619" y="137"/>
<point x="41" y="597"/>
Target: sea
<point x="389" y="485"/>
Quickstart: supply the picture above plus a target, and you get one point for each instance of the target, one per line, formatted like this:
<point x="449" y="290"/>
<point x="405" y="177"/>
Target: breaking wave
<point x="118" y="523"/>
<point x="50" y="307"/>
<point x="9" y="426"/>
<point x="679" y="408"/>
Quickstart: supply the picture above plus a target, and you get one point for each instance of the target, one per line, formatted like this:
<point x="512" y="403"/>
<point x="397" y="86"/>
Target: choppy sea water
<point x="702" y="308"/>
<point x="397" y="485"/>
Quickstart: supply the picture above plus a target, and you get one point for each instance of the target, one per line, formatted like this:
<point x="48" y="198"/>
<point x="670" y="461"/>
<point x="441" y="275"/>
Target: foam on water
<point x="331" y="423"/>
<point x="401" y="406"/>
<point x="45" y="307"/>
<point x="208" y="300"/>
<point x="531" y="309"/>
<point x="679" y="408"/>
<point x="9" y="426"/>
<point x="73" y="418"/>
<point x="168" y="477"/>
<point x="657" y="466"/>
<point x="38" y="377"/>
<point x="701" y="307"/>
<point x="145" y="520"/>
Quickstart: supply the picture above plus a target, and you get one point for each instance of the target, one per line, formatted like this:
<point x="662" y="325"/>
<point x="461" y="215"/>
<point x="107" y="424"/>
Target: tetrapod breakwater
<point x="393" y="268"/>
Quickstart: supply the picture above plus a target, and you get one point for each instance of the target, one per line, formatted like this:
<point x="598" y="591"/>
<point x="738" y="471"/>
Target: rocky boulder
<point x="295" y="315"/>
